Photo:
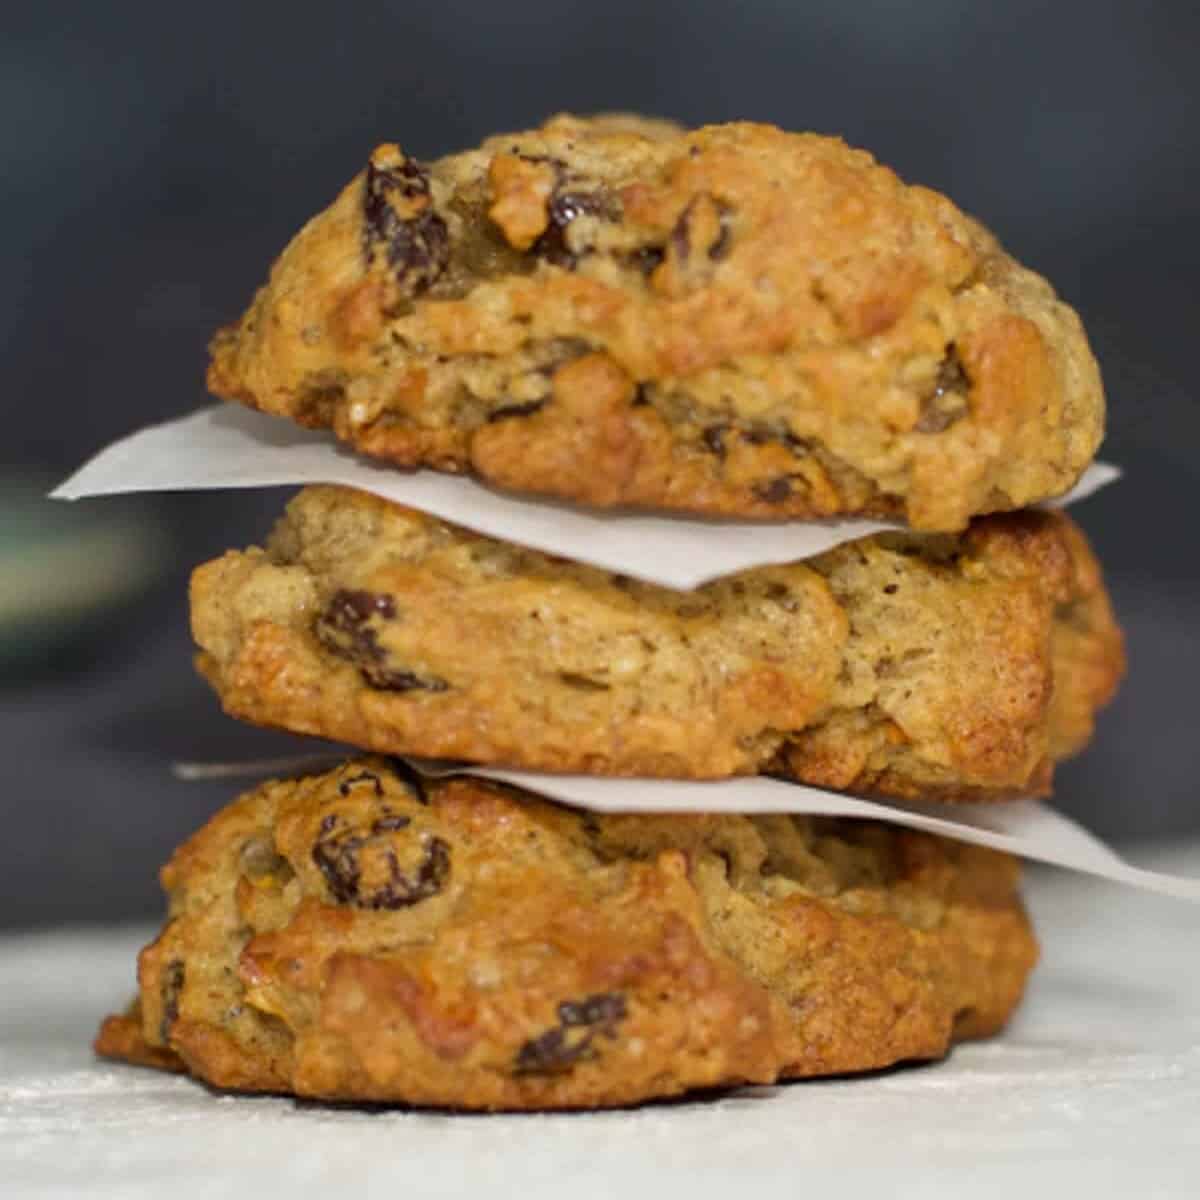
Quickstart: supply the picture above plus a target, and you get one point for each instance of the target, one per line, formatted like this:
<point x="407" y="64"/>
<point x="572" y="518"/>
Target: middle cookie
<point x="906" y="665"/>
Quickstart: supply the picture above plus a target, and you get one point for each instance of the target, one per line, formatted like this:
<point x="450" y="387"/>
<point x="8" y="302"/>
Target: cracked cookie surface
<point x="914" y="666"/>
<point x="731" y="320"/>
<point x="562" y="959"/>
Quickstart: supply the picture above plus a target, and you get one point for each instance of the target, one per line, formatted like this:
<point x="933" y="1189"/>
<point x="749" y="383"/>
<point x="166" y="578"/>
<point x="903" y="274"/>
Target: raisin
<point x="775" y="491"/>
<point x="172" y="985"/>
<point x="764" y="437"/>
<point x="390" y="823"/>
<point x="348" y="609"/>
<point x="550" y="1051"/>
<point x="780" y="594"/>
<point x="572" y="1039"/>
<point x="362" y="777"/>
<point x="720" y="248"/>
<point x="713" y="438"/>
<point x="505" y="411"/>
<point x="605" y="1009"/>
<point x="953" y="382"/>
<point x="681" y="236"/>
<point x="430" y="878"/>
<point x="563" y="208"/>
<point x="401" y="681"/>
<point x="343" y="629"/>
<point x="399" y="215"/>
<point x="570" y="198"/>
<point x="339" y="855"/>
<point x="338" y="861"/>
<point x="343" y="626"/>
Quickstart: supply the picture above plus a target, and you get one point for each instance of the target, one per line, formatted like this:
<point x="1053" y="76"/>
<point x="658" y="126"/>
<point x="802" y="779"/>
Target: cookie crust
<point x="558" y="959"/>
<point x="730" y="320"/>
<point x="918" y="667"/>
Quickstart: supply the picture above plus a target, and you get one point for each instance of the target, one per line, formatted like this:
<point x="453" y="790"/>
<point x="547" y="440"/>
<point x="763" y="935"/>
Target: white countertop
<point x="1096" y="1085"/>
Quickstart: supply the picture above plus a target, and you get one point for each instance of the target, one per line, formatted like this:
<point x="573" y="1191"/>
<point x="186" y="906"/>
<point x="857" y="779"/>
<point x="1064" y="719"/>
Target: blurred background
<point x="159" y="157"/>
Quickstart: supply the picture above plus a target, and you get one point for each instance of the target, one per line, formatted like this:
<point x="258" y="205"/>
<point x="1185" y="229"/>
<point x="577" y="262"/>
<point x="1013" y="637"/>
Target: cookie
<point x="361" y="935"/>
<point x="734" y="320"/>
<point x="907" y="665"/>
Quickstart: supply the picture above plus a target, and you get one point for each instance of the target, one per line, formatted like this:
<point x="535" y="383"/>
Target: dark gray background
<point x="158" y="156"/>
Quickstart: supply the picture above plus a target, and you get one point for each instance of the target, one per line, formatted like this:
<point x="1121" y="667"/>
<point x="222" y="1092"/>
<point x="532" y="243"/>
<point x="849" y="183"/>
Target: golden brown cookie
<point x="908" y="665"/>
<point x="731" y="320"/>
<point x="361" y="935"/>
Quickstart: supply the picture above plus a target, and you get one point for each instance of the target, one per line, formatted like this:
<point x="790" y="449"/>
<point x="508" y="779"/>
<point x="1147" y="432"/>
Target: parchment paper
<point x="227" y="446"/>
<point x="1027" y="828"/>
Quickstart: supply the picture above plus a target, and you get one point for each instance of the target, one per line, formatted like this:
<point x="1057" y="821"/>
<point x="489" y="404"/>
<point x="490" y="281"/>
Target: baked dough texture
<point x="730" y="320"/>
<point x="905" y="665"/>
<point x="364" y="935"/>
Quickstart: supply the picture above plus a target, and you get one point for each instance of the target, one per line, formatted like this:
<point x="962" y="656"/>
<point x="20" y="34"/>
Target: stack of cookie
<point x="735" y="322"/>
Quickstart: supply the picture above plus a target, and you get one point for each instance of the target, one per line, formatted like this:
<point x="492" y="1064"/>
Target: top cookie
<point x="735" y="320"/>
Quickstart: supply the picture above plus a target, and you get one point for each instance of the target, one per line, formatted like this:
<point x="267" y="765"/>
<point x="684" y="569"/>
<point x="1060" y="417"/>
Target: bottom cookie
<point x="362" y="935"/>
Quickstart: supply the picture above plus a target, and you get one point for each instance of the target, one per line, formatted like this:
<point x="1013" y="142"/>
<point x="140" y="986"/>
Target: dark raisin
<point x="890" y="589"/>
<point x="343" y="629"/>
<point x="391" y="823"/>
<point x="343" y="626"/>
<point x="403" y="890"/>
<point x="551" y="1051"/>
<point x="337" y="860"/>
<point x="172" y="985"/>
<point x="952" y="382"/>
<point x="582" y="683"/>
<point x="681" y="233"/>
<point x="764" y="437"/>
<point x="505" y="411"/>
<point x="641" y="396"/>
<point x="399" y="215"/>
<point x="603" y="1009"/>
<point x="952" y="375"/>
<point x="781" y="594"/>
<point x="387" y="680"/>
<point x="563" y="208"/>
<point x="720" y="248"/>
<point x="579" y="1023"/>
<point x="362" y="777"/>
<point x="339" y="853"/>
<point x="775" y="491"/>
<point x="713" y="438"/>
<point x="566" y="206"/>
<point x="350" y="609"/>
<point x="570" y="198"/>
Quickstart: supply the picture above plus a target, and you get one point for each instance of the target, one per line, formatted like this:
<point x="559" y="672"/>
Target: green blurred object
<point x="66" y="569"/>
